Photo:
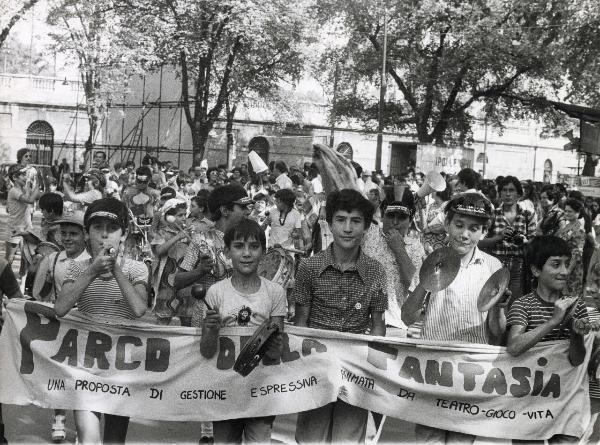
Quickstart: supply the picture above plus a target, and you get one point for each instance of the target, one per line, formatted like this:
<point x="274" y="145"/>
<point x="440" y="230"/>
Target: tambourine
<point x="256" y="348"/>
<point x="277" y="265"/>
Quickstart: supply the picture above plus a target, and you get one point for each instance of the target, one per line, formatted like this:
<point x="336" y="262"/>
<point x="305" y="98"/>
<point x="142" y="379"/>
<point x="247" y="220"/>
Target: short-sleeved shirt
<point x="19" y="212"/>
<point x="103" y="296"/>
<point x="58" y="266"/>
<point x="84" y="199"/>
<point x="238" y="309"/>
<point x="283" y="181"/>
<point x="209" y="242"/>
<point x="452" y="313"/>
<point x="341" y="301"/>
<point x="282" y="227"/>
<point x="532" y="311"/>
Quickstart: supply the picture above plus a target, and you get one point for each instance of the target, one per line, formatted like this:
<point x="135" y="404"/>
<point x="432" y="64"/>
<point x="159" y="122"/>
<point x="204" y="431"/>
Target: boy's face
<point x="399" y="221"/>
<point x="20" y="179"/>
<point x="180" y="216"/>
<point x="195" y="211"/>
<point x="104" y="233"/>
<point x="464" y="232"/>
<point x="245" y="255"/>
<point x="553" y="275"/>
<point x="347" y="228"/>
<point x="72" y="238"/>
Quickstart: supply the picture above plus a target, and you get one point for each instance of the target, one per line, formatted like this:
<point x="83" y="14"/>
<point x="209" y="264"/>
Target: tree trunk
<point x="199" y="138"/>
<point x="230" y="111"/>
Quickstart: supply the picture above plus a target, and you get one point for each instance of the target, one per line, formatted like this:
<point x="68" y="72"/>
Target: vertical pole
<point x="179" y="142"/>
<point x="485" y="134"/>
<point x="159" y="107"/>
<point x="31" y="41"/>
<point x="534" y="161"/>
<point x="382" y="89"/>
<point x="333" y="103"/>
<point x="141" y="145"/>
<point x="76" y="123"/>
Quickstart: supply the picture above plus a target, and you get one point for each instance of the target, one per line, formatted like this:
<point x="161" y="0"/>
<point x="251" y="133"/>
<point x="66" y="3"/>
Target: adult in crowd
<point x="574" y="234"/>
<point x="19" y="208"/>
<point x="511" y="228"/>
<point x="95" y="181"/>
<point x="552" y="217"/>
<point x="282" y="180"/>
<point x="434" y="232"/>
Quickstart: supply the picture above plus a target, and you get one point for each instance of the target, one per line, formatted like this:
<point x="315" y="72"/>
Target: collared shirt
<point x="341" y="301"/>
<point x="452" y="314"/>
<point x="523" y="224"/>
<point x="58" y="271"/>
<point x="284" y="182"/>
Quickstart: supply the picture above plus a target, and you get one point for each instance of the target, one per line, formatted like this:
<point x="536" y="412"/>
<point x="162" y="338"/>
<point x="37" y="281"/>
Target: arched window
<point x="345" y="149"/>
<point x="40" y="141"/>
<point x="261" y="146"/>
<point x="548" y="171"/>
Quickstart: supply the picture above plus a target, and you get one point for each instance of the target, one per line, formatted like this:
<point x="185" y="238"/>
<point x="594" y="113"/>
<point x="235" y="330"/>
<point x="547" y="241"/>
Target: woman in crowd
<point x="574" y="234"/>
<point x="511" y="227"/>
<point x="552" y="217"/>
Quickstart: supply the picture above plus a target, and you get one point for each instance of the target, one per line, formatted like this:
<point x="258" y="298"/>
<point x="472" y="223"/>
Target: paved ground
<point x="31" y="425"/>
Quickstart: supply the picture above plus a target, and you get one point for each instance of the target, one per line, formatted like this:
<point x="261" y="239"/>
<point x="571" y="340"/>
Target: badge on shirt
<point x="358" y="306"/>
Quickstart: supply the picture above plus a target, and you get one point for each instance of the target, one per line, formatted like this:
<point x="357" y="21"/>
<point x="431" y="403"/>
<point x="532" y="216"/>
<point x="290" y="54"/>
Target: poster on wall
<point x="588" y="185"/>
<point x="444" y="159"/>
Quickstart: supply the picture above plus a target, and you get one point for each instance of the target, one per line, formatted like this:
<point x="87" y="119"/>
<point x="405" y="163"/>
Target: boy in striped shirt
<point x="545" y="314"/>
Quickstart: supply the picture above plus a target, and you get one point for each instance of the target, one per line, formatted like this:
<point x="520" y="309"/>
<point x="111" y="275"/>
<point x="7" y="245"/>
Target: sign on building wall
<point x="587" y="185"/>
<point x="447" y="159"/>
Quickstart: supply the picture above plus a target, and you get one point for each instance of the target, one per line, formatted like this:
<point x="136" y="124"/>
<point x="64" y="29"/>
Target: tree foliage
<point x="223" y="50"/>
<point x="107" y="53"/>
<point x="10" y="14"/>
<point x="446" y="56"/>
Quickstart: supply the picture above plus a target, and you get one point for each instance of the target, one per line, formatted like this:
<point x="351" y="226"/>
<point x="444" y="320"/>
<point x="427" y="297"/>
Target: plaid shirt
<point x="523" y="224"/>
<point x="340" y="301"/>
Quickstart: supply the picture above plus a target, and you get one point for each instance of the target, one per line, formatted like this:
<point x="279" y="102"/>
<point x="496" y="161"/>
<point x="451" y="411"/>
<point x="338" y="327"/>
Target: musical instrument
<point x="276" y="265"/>
<point x="493" y="289"/>
<point x="45" y="248"/>
<point x="199" y="293"/>
<point x="434" y="182"/>
<point x="439" y="269"/>
<point x="256" y="348"/>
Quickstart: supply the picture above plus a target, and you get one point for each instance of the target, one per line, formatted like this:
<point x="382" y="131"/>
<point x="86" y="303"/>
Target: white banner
<point x="157" y="372"/>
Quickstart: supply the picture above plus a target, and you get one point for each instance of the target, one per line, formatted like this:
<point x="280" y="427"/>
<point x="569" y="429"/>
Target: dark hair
<point x="550" y="192"/>
<point x="348" y="200"/>
<point x="203" y="193"/>
<point x="297" y="179"/>
<point x="281" y="166"/>
<point x="224" y="196"/>
<point x="128" y="163"/>
<point x="575" y="204"/>
<point x="511" y="180"/>
<point x="286" y="196"/>
<point x="469" y="177"/>
<point x="51" y="202"/>
<point x="145" y="171"/>
<point x="108" y="205"/>
<point x="210" y="170"/>
<point x="576" y="194"/>
<point x="357" y="168"/>
<point x="20" y="153"/>
<point x="102" y="153"/>
<point x="540" y="248"/>
<point x="236" y="169"/>
<point x="201" y="201"/>
<point x="182" y="178"/>
<point x="15" y="170"/>
<point x="245" y="229"/>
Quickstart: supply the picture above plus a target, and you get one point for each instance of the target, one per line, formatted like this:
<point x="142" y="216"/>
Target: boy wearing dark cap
<point x="205" y="261"/>
<point x="103" y="286"/>
<point x="451" y="314"/>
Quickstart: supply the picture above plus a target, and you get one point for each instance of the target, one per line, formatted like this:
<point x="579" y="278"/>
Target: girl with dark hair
<point x="574" y="234"/>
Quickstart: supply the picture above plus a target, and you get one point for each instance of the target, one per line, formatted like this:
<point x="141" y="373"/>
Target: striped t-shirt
<point x="452" y="314"/>
<point x="103" y="296"/>
<point x="532" y="311"/>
